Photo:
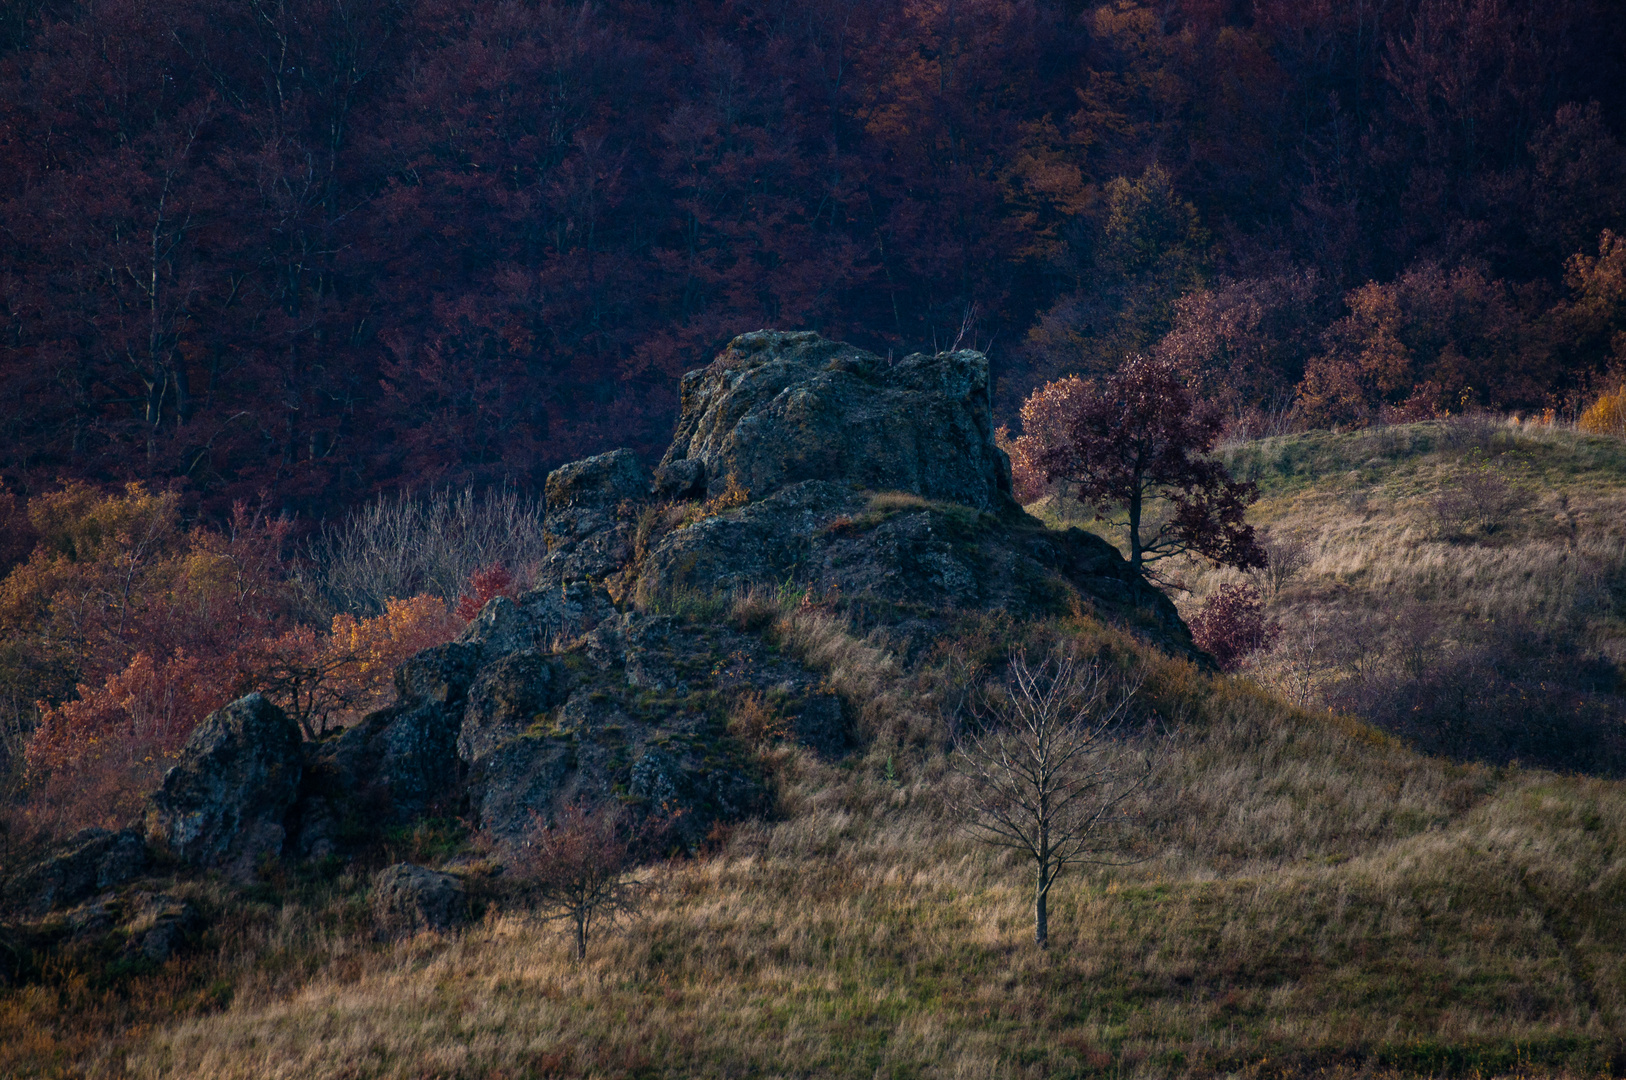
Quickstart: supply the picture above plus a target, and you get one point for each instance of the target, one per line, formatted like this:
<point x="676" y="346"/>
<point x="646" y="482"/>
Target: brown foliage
<point x="1231" y="625"/>
<point x="1428" y="343"/>
<point x="1135" y="437"/>
<point x="577" y="867"/>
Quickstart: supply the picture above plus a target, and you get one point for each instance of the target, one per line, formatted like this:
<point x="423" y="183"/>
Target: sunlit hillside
<point x="1462" y="582"/>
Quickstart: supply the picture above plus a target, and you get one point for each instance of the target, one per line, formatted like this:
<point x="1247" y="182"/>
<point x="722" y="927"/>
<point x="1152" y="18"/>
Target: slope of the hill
<point x="1461" y="583"/>
<point x="1318" y="896"/>
<point x="1321" y="898"/>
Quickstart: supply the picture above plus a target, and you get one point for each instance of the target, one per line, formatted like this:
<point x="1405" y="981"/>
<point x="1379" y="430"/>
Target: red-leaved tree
<point x="1135" y="437"/>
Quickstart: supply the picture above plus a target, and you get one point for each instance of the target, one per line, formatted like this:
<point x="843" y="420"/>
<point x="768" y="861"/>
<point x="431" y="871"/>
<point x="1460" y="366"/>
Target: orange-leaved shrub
<point x="325" y="681"/>
<point x="92" y="760"/>
<point x="122" y="629"/>
<point x="1607" y="414"/>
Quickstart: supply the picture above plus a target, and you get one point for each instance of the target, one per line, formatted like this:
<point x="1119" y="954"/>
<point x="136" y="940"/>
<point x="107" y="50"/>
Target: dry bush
<point x="576" y="870"/>
<point x="405" y="545"/>
<point x="755" y="722"/>
<point x="1607" y="413"/>
<point x="1231" y="625"/>
<point x="1287" y="554"/>
<point x="92" y="761"/>
<point x="1475" y="502"/>
<point x="485" y="584"/>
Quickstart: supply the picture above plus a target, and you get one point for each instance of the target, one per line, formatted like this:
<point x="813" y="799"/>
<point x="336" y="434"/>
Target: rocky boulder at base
<point x="93" y="861"/>
<point x="224" y="804"/>
<point x="409" y="899"/>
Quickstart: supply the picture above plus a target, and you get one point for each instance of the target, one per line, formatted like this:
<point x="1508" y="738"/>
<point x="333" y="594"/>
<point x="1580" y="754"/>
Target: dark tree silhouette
<point x="1135" y="437"/>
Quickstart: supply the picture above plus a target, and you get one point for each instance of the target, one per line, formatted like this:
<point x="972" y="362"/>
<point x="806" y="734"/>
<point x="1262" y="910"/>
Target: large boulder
<point x="778" y="408"/>
<point x="909" y="553"/>
<point x="409" y="899"/>
<point x="225" y="803"/>
<point x="591" y="521"/>
<point x="637" y="710"/>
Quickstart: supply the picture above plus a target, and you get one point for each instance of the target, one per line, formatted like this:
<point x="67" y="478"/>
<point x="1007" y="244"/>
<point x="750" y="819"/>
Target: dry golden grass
<point x="1395" y="519"/>
<point x="1323" y="900"/>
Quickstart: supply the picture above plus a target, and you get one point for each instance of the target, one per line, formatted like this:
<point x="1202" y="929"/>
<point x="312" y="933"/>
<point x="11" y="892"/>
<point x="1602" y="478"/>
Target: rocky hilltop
<point x="800" y="466"/>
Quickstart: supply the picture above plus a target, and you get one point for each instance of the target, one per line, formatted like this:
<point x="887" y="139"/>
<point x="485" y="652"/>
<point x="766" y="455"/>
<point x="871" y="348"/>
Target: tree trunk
<point x="1041" y="915"/>
<point x="1135" y="556"/>
<point x="581" y="938"/>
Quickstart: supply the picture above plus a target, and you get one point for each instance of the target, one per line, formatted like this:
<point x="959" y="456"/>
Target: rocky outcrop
<point x="225" y="803"/>
<point x="779" y="408"/>
<point x="124" y="932"/>
<point x="409" y="899"/>
<point x="799" y="464"/>
<point x="94" y="861"/>
<point x="637" y="710"/>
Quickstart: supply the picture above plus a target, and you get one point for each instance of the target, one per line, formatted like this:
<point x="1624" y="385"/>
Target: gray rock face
<point x="598" y="481"/>
<point x="840" y="542"/>
<point x="94" y="861"/>
<point x="508" y="697"/>
<point x="500" y="628"/>
<point x="408" y="899"/>
<point x="399" y="763"/>
<point x="778" y="408"/>
<point x="157" y="925"/>
<point x="591" y="523"/>
<point x="640" y="707"/>
<point x="224" y="804"/>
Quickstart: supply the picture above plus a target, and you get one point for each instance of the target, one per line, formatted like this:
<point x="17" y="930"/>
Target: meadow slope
<point x="1322" y="899"/>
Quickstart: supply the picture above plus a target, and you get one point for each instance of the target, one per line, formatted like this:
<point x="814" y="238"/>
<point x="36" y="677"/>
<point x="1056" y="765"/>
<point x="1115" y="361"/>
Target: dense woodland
<point x="302" y="251"/>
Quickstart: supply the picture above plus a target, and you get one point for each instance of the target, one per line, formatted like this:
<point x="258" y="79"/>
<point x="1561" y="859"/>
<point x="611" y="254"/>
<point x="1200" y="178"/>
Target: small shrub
<point x="1285" y="556"/>
<point x="485" y="583"/>
<point x="733" y="496"/>
<point x="1606" y="415"/>
<point x="1477" y="503"/>
<point x="1231" y="625"/>
<point x="577" y="867"/>
<point x="756" y="722"/>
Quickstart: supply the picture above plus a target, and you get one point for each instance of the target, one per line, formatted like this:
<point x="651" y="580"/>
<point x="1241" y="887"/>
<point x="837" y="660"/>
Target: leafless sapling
<point x="1048" y="770"/>
<point x="578" y="867"/>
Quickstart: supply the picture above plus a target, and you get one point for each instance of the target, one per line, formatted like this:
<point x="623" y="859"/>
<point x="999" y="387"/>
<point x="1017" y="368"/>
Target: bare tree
<point x="578" y="868"/>
<point x="1286" y="555"/>
<point x="1049" y="770"/>
<point x="402" y="545"/>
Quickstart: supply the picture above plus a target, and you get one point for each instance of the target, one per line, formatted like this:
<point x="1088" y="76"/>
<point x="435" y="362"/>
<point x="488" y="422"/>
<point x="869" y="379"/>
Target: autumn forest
<point x="299" y="252"/>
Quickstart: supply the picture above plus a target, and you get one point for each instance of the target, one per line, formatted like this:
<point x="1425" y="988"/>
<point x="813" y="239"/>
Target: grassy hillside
<point x="1323" y="902"/>
<point x="1462" y="583"/>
